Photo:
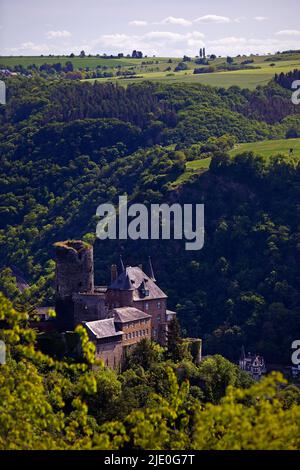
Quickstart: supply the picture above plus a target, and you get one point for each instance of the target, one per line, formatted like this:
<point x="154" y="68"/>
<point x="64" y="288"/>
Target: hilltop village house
<point x="117" y="316"/>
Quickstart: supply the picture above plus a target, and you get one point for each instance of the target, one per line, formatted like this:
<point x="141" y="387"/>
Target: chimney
<point x="141" y="267"/>
<point x="114" y="272"/>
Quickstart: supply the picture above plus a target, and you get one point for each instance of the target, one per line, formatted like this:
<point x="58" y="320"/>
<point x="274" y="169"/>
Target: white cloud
<point x="58" y="34"/>
<point x="176" y="21"/>
<point x="151" y="43"/>
<point x="138" y="23"/>
<point x="233" y="45"/>
<point x="239" y="19"/>
<point x="288" y="32"/>
<point x="30" y="47"/>
<point x="260" y="18"/>
<point x="212" y="19"/>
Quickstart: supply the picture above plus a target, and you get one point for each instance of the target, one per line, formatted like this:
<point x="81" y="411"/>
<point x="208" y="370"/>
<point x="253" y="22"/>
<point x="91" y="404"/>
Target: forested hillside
<point x="66" y="147"/>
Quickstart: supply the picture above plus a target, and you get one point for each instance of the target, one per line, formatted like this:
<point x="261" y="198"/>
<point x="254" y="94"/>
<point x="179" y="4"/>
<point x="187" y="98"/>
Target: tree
<point x="229" y="60"/>
<point x="69" y="67"/>
<point x="137" y="54"/>
<point x="292" y="133"/>
<point x="216" y="374"/>
<point x="33" y="407"/>
<point x="253" y="418"/>
<point x="145" y="354"/>
<point x="181" y="66"/>
<point x="82" y="54"/>
<point x="174" y="341"/>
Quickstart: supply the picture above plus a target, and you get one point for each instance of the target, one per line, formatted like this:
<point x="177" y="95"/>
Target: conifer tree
<point x="174" y="341"/>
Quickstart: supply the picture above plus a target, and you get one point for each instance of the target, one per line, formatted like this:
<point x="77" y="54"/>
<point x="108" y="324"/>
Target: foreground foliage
<point x="49" y="404"/>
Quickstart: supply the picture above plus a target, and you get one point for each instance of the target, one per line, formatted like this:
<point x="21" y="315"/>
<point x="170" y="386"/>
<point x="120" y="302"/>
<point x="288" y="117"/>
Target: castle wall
<point x="89" y="307"/>
<point x="111" y="352"/>
<point x="119" y="298"/>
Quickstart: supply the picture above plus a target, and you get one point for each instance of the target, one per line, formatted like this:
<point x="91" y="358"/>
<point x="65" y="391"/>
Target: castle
<point x="117" y="316"/>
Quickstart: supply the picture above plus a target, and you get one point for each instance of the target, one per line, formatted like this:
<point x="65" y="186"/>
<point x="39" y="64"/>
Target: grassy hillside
<point x="196" y="167"/>
<point x="158" y="69"/>
<point x="268" y="148"/>
<point x="242" y="78"/>
<point x="78" y="62"/>
<point x="265" y="149"/>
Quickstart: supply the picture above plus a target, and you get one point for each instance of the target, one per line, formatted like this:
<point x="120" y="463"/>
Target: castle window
<point x="159" y="305"/>
<point x="146" y="306"/>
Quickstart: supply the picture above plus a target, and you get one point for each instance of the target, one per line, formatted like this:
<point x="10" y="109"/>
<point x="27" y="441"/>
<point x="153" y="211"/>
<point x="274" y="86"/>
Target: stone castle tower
<point x="74" y="274"/>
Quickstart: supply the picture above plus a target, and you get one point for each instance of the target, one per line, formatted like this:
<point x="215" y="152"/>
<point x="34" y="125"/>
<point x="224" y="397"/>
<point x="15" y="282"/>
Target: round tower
<point x="74" y="274"/>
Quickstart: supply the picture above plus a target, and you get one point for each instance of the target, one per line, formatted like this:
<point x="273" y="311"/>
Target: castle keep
<point x="132" y="307"/>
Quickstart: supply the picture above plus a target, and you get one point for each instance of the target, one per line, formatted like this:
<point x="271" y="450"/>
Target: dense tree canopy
<point x="50" y="404"/>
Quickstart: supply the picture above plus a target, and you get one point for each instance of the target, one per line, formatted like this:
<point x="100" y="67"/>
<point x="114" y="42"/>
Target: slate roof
<point x="129" y="314"/>
<point x="103" y="328"/>
<point x="143" y="287"/>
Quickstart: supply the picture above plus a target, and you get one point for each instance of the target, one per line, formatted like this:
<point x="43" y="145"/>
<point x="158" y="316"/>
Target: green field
<point x="77" y="62"/>
<point x="155" y="68"/>
<point x="243" y="78"/>
<point x="268" y="148"/>
<point x="225" y="80"/>
<point x="196" y="167"/>
<point x="265" y="149"/>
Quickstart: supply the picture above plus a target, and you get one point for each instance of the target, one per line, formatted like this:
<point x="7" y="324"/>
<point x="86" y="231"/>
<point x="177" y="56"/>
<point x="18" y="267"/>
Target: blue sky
<point x="160" y="27"/>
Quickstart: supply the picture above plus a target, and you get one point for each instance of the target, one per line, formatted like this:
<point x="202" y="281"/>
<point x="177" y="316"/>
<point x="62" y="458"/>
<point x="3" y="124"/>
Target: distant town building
<point x="253" y="364"/>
